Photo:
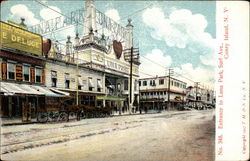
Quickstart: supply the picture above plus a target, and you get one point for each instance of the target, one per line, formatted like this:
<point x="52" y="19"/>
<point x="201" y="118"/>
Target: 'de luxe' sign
<point x="20" y="39"/>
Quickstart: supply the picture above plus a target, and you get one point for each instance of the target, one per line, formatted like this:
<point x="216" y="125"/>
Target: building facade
<point x="200" y="97"/>
<point x="22" y="78"/>
<point x="102" y="65"/>
<point x="159" y="93"/>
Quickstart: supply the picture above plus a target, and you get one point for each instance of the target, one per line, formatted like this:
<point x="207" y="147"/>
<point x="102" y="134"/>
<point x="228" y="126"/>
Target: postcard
<point x="92" y="80"/>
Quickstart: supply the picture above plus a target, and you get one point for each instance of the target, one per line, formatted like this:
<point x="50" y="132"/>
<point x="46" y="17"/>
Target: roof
<point x="151" y="78"/>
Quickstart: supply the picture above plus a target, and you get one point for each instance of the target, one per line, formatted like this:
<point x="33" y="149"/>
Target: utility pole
<point x="131" y="54"/>
<point x="170" y="71"/>
<point x="131" y="75"/>
<point x="196" y="86"/>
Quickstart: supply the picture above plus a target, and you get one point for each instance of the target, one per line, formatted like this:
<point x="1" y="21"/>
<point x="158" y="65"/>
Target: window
<point x="164" y="92"/>
<point x="144" y="83"/>
<point x="99" y="85"/>
<point x="67" y="80"/>
<point x="139" y="83"/>
<point x="135" y="85"/>
<point x="53" y="78"/>
<point x="152" y="82"/>
<point x="80" y="83"/>
<point x="11" y="71"/>
<point x="172" y="83"/>
<point x="161" y="81"/>
<point x="38" y="75"/>
<point x="26" y="73"/>
<point x="91" y="85"/>
<point x="126" y="84"/>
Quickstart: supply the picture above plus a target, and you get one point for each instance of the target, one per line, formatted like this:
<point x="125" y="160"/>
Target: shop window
<point x="53" y="78"/>
<point x="126" y="84"/>
<point x="161" y="81"/>
<point x="38" y="75"/>
<point x="11" y="71"/>
<point x="144" y="83"/>
<point x="26" y="73"/>
<point x="67" y="80"/>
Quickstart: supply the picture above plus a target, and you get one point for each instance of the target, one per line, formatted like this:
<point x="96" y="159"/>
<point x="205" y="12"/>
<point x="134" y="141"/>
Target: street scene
<point x="107" y="80"/>
<point x="170" y="136"/>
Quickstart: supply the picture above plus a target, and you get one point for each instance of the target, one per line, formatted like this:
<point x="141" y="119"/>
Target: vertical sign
<point x="32" y="74"/>
<point x="19" y="73"/>
<point x="43" y="76"/>
<point x="4" y="71"/>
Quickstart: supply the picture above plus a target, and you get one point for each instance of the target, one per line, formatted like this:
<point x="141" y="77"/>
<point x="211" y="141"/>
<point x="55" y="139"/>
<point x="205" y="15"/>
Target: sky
<point x="170" y="34"/>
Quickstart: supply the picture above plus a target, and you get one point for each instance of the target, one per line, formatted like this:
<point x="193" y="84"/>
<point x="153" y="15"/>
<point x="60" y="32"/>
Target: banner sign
<point x="20" y="39"/>
<point x="111" y="98"/>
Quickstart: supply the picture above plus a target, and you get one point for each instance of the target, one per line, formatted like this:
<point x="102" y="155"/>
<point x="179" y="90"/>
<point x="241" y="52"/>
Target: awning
<point x="19" y="88"/>
<point x="60" y="92"/>
<point x="46" y="91"/>
<point x="110" y="98"/>
<point x="26" y="89"/>
<point x="99" y="85"/>
<point x="80" y="81"/>
<point x="29" y="89"/>
<point x="91" y="83"/>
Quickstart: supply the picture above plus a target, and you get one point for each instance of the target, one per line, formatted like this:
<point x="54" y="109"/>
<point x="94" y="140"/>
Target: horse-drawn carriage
<point x="66" y="109"/>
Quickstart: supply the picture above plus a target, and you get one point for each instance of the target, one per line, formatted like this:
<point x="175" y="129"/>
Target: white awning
<point x="91" y="84"/>
<point x="99" y="84"/>
<point x="60" y="92"/>
<point x="80" y="81"/>
<point x="47" y="91"/>
<point x="14" y="88"/>
<point x="29" y="89"/>
<point x="19" y="88"/>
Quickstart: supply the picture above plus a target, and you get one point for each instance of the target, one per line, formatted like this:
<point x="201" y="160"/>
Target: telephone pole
<point x="131" y="75"/>
<point x="170" y="72"/>
<point x="196" y="86"/>
<point x="131" y="55"/>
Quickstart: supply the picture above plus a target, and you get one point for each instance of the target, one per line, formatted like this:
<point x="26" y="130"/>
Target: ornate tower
<point x="89" y="18"/>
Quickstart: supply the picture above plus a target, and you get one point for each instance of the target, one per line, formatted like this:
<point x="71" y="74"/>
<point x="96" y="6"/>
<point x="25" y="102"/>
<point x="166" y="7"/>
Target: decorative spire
<point x="129" y="22"/>
<point x="77" y="39"/>
<point x="68" y="37"/>
<point x="22" y="22"/>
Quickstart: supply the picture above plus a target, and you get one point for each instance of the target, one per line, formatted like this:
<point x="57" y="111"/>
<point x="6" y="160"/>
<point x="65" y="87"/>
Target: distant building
<point x="200" y="98"/>
<point x="154" y="93"/>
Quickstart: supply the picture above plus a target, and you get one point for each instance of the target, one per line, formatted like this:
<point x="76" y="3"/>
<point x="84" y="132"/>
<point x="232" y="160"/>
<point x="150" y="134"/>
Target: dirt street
<point x="166" y="136"/>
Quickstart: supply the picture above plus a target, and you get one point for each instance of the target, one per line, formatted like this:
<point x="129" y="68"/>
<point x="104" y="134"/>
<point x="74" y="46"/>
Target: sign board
<point x="110" y="98"/>
<point x="19" y="73"/>
<point x="20" y="39"/>
<point x="117" y="46"/>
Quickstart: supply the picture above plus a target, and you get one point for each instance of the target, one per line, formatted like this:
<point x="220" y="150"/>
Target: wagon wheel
<point x="54" y="115"/>
<point x="42" y="117"/>
<point x="63" y="116"/>
<point x="82" y="114"/>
